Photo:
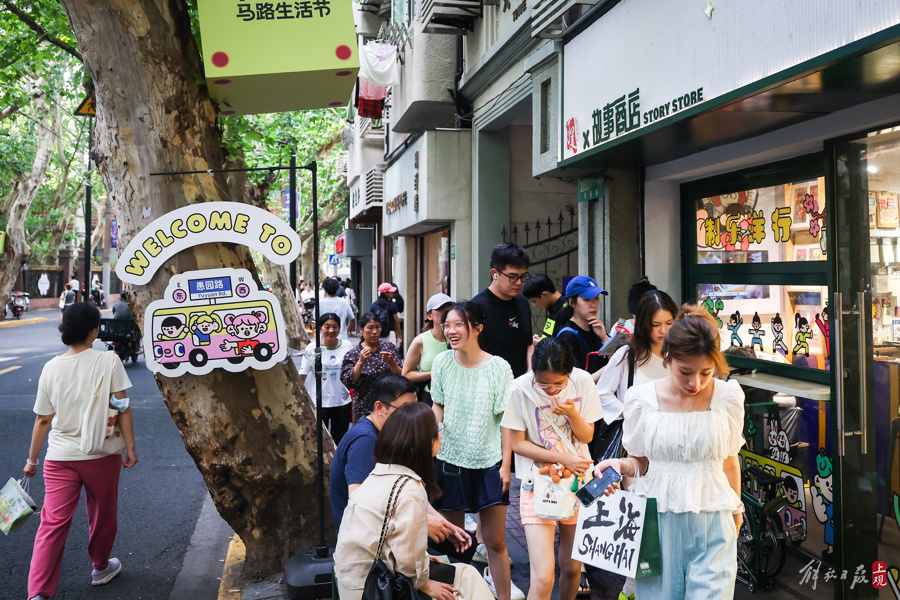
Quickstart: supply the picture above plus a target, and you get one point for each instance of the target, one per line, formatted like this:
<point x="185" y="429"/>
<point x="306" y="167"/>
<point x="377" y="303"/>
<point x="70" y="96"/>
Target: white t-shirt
<point x="341" y="308"/>
<point x="64" y="391"/>
<point x="613" y="383"/>
<point x="334" y="393"/>
<point x="76" y="285"/>
<point x="522" y="414"/>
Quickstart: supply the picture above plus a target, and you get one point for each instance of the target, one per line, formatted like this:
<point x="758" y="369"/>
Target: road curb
<point x="4" y="324"/>
<point x="230" y="588"/>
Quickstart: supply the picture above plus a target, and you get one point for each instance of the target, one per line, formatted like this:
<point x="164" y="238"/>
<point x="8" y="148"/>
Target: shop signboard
<point x="278" y="56"/>
<point x="591" y="188"/>
<point x="688" y="62"/>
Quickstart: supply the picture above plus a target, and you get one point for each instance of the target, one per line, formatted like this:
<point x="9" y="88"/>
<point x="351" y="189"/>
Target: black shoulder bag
<point x="607" y="442"/>
<point x="381" y="583"/>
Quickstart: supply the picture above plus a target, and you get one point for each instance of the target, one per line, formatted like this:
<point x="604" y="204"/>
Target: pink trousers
<point x="63" y="481"/>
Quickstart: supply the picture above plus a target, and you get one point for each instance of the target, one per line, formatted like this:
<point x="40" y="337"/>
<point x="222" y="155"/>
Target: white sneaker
<point x="514" y="592"/>
<point x="471" y="523"/>
<point x="480" y="555"/>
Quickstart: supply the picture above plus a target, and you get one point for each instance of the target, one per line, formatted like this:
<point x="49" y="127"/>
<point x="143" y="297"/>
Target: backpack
<point x="383" y="314"/>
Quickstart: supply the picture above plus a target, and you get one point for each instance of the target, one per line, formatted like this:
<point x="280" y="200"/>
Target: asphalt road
<point x="159" y="499"/>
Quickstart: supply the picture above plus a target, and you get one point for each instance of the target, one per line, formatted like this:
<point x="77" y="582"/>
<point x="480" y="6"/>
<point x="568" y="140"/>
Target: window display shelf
<point x="794" y="387"/>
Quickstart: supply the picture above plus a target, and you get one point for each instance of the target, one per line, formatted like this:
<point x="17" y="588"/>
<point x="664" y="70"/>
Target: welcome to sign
<point x="206" y="223"/>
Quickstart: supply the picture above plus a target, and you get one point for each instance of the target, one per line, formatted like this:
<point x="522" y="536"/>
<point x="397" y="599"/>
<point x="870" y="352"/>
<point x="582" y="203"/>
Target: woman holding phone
<point x="687" y="429"/>
<point x="368" y="361"/>
<point x="553" y="398"/>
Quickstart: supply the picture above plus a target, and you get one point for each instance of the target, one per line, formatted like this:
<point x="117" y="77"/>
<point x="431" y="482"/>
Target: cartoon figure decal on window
<point x="824" y="328"/>
<point x="757" y="332"/>
<point x="213" y="319"/>
<point x="804" y="332"/>
<point x="778" y="335"/>
<point x="823" y="497"/>
<point x="734" y="324"/>
<point x="713" y="305"/>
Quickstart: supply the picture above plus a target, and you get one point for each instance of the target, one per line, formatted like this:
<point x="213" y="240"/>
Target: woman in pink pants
<point x="64" y="391"/>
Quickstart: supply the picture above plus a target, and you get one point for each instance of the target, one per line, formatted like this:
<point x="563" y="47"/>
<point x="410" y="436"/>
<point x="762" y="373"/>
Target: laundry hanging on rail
<point x="378" y="63"/>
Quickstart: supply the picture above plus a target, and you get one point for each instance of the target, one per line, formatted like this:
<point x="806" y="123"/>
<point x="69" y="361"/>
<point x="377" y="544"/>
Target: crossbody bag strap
<point x="389" y="510"/>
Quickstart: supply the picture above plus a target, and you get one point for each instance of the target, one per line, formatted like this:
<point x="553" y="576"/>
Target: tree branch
<point x="37" y="28"/>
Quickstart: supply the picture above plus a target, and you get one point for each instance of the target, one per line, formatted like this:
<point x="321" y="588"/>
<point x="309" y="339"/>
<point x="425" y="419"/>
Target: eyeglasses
<point x="454" y="325"/>
<point x="514" y="278"/>
<point x="551" y="388"/>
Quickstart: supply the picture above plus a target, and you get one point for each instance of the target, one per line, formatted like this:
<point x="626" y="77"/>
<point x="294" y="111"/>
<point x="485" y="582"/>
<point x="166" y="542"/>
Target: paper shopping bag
<point x="650" y="556"/>
<point x="15" y="506"/>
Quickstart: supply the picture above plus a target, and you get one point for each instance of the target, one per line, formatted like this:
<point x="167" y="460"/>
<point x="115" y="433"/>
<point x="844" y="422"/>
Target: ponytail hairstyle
<point x="639" y="349"/>
<point x="551" y="355"/>
<point x="695" y="333"/>
<point x="800" y="322"/>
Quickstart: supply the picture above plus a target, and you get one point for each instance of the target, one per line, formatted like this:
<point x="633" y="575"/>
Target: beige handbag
<point x="99" y="424"/>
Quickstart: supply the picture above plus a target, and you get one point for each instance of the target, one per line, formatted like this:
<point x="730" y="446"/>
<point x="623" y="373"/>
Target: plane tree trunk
<point x="251" y="434"/>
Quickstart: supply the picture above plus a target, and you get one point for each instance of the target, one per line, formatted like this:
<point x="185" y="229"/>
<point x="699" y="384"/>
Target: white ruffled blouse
<point x="686" y="450"/>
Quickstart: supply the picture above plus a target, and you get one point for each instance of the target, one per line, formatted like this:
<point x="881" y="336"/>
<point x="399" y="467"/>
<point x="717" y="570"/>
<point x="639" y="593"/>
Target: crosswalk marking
<point x="8" y="369"/>
<point x="8" y="358"/>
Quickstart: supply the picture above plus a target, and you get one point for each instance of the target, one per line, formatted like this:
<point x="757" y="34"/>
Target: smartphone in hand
<point x="596" y="486"/>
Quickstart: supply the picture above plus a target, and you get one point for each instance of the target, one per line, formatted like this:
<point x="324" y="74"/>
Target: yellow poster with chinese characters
<point x="263" y="57"/>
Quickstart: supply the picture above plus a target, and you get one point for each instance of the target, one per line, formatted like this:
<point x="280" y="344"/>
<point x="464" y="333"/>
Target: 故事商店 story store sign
<point x="645" y="64"/>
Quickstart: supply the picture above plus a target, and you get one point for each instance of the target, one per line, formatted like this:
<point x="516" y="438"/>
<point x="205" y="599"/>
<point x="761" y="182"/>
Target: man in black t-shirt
<point x="541" y="292"/>
<point x="507" y="317"/>
<point x="584" y="332"/>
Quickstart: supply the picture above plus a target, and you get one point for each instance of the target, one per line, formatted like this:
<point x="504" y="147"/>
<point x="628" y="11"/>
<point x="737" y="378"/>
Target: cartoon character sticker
<point x="823" y="497"/>
<point x="734" y="324"/>
<point x="213" y="319"/>
<point x="757" y="332"/>
<point x="804" y="332"/>
<point x="713" y="305"/>
<point x="778" y="335"/>
<point x="822" y="322"/>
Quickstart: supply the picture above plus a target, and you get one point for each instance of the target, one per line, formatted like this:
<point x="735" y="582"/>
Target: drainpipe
<point x="463" y="106"/>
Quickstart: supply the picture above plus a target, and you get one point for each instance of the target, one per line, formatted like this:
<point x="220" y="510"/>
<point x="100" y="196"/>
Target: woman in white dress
<point x="687" y="429"/>
<point x="637" y="363"/>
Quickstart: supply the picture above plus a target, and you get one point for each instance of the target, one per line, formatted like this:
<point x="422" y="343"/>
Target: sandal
<point x="584" y="589"/>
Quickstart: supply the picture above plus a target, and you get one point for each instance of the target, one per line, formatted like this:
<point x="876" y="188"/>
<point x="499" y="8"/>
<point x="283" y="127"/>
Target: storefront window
<point x="781" y="223"/>
<point x="778" y="323"/>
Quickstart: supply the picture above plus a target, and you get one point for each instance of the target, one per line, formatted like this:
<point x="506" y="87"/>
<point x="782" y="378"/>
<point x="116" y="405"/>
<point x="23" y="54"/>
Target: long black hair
<point x="640" y="347"/>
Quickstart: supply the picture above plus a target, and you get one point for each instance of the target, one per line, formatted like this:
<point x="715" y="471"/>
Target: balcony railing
<point x="549" y="18"/>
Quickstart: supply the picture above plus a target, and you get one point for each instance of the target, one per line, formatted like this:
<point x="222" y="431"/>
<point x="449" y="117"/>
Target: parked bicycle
<point x="762" y="541"/>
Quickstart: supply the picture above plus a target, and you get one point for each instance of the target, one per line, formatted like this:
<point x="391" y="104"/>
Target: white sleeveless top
<point x="686" y="450"/>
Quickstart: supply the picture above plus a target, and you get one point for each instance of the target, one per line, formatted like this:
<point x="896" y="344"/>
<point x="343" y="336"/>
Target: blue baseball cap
<point x="584" y="287"/>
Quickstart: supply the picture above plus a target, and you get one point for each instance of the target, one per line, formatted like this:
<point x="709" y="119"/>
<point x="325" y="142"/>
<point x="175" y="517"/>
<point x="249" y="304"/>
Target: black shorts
<point x="470" y="490"/>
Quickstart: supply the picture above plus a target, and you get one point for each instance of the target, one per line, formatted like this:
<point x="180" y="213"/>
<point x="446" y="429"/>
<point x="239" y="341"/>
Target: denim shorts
<point x="470" y="490"/>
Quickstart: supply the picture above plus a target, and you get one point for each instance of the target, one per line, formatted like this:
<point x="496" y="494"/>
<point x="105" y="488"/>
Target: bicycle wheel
<point x="770" y="545"/>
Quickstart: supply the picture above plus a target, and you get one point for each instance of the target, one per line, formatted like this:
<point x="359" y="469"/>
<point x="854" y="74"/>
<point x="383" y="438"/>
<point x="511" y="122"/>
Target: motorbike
<point x="18" y="303"/>
<point x="123" y="337"/>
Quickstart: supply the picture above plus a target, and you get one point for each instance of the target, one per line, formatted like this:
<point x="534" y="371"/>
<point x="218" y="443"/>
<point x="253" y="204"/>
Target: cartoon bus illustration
<point x="210" y="319"/>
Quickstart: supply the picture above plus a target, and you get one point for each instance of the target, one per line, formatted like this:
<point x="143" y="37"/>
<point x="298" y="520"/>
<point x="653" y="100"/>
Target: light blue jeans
<point x="699" y="558"/>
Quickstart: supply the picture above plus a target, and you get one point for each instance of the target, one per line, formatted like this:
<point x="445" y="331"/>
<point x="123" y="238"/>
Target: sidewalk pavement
<point x="604" y="586"/>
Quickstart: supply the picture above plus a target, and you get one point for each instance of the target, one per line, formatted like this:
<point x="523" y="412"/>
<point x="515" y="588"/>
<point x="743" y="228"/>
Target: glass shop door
<point x="865" y="469"/>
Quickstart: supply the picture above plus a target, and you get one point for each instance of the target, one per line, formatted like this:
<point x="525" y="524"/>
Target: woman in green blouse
<point x="469" y="388"/>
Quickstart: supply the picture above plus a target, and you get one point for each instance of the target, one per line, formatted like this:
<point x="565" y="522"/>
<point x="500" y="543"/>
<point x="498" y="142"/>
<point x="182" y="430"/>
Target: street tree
<point x="252" y="434"/>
